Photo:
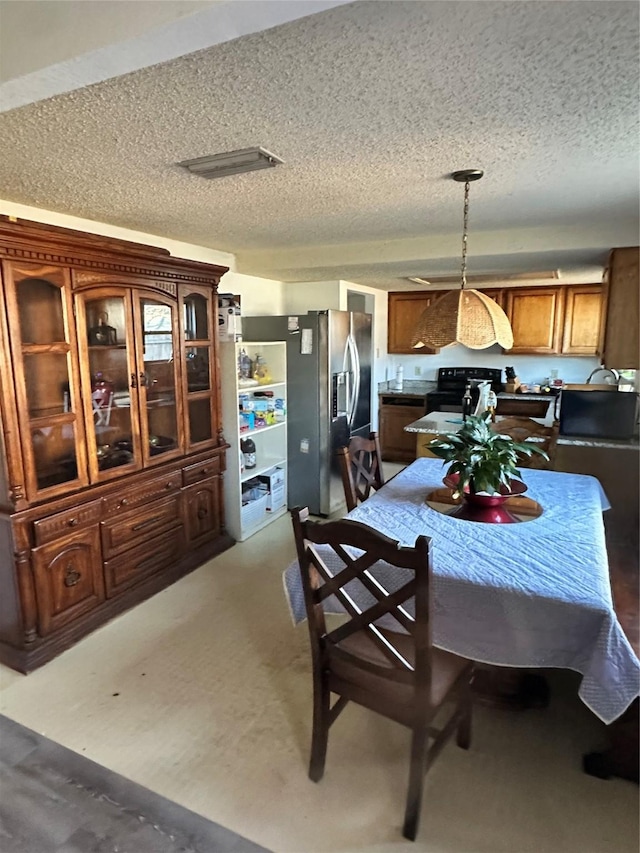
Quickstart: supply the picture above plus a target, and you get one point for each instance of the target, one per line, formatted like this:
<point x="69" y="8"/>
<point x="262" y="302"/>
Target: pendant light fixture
<point x="466" y="316"/>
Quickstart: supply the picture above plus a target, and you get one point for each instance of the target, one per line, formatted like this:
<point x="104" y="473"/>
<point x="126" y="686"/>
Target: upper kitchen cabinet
<point x="583" y="317"/>
<point x="561" y="320"/>
<point x="536" y="315"/>
<point x="622" y="285"/>
<point x="405" y="308"/>
<point x="496" y="294"/>
<point x="112" y="454"/>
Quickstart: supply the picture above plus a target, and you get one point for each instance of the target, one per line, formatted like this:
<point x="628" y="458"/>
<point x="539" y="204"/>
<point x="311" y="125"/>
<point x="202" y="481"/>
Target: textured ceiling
<point x="371" y="105"/>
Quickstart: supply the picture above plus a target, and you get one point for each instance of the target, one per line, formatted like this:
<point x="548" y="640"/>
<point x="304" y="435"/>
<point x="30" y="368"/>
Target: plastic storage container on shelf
<point x="254" y="421"/>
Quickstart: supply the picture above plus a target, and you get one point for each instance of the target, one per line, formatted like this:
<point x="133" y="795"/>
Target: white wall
<point x="259" y="295"/>
<point x="529" y="368"/>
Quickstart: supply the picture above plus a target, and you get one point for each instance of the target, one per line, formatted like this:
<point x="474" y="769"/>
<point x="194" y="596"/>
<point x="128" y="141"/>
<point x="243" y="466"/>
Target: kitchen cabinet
<point x="583" y="315"/>
<point x="536" y="317"/>
<point x="257" y="413"/>
<point x="396" y="411"/>
<point x="404" y="310"/>
<point x="494" y="293"/>
<point x="622" y="285"/>
<point x="109" y="385"/>
<point x="561" y="320"/>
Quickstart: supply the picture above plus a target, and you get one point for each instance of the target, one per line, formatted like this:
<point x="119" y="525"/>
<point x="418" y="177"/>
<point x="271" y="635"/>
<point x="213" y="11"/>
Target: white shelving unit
<point x="245" y="519"/>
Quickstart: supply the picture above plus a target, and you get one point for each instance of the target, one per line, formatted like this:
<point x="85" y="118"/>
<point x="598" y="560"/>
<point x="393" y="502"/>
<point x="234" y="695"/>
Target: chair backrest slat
<point x="524" y="429"/>
<point x="394" y="581"/>
<point x="361" y="468"/>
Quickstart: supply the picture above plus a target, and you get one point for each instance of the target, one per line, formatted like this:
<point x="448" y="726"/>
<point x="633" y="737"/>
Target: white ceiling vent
<point x="231" y="163"/>
<point x="548" y="275"/>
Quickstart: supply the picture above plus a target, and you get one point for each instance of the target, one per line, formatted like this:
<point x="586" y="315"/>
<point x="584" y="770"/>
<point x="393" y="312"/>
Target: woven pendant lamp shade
<point x="467" y="317"/>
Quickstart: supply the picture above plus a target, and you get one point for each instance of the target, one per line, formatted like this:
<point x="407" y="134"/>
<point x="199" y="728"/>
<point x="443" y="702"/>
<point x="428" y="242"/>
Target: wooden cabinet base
<point x="395" y="413"/>
<point x="70" y="565"/>
<point x="45" y="649"/>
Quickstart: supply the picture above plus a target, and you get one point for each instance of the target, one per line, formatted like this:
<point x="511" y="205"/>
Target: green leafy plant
<point x="482" y="459"/>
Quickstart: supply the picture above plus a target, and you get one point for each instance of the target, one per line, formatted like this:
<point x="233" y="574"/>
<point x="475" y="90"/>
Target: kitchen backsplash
<point x="531" y="369"/>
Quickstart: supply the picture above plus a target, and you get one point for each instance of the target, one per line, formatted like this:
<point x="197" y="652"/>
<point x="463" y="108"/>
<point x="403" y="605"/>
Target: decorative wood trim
<point x="27" y="596"/>
<point x="64" y="246"/>
<point x="111" y="266"/>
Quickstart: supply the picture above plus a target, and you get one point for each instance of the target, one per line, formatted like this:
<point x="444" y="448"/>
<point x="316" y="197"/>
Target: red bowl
<point x="516" y="487"/>
<point x="489" y="509"/>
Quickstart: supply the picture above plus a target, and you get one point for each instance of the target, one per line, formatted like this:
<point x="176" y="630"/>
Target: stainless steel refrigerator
<point x="328" y="396"/>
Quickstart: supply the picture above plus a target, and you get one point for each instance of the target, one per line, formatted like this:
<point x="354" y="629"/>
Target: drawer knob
<point x="204" y="471"/>
<point x="72" y="522"/>
<point x="123" y="502"/>
<point x="168" y="485"/>
<point x="202" y="512"/>
<point x="72" y="576"/>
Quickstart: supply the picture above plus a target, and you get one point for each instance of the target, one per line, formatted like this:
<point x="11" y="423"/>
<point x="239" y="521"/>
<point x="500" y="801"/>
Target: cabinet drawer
<point x="63" y="523"/>
<point x="129" y="498"/>
<point x="201" y="471"/>
<point x="144" y="560"/>
<point x="128" y="529"/>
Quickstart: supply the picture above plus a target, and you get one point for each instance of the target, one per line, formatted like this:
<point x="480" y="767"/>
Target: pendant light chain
<point x="464" y="235"/>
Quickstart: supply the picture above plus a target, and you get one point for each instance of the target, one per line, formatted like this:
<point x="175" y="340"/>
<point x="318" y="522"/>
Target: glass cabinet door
<point x="158" y="361"/>
<point x="198" y="367"/>
<point x="47" y="379"/>
<point x="110" y="383"/>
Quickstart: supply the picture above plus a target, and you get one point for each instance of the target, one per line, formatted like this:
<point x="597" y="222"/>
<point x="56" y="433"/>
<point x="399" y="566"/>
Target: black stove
<point x="452" y="382"/>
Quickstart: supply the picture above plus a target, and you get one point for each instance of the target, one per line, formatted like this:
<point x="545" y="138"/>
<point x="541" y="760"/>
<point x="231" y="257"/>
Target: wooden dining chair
<point x="361" y="468"/>
<point x="525" y="429"/>
<point x="381" y="657"/>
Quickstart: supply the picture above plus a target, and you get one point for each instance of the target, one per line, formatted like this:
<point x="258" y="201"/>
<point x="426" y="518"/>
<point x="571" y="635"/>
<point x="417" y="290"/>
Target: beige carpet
<point x="203" y="695"/>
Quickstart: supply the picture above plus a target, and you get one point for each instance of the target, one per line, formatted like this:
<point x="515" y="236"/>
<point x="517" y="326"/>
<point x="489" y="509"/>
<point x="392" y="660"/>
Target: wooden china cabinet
<point x="113" y="454"/>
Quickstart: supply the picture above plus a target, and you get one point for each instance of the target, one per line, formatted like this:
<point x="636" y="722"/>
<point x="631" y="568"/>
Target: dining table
<point x="530" y="594"/>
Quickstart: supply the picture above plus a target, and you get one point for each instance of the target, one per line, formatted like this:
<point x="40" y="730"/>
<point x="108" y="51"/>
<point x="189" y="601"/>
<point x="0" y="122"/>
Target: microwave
<point x="598" y="414"/>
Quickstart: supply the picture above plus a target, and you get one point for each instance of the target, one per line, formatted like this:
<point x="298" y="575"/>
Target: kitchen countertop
<point x="503" y="395"/>
<point x="441" y="422"/>
<point x="410" y="387"/>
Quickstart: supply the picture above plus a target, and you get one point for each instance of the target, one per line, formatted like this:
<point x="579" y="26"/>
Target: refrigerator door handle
<point x="352" y="368"/>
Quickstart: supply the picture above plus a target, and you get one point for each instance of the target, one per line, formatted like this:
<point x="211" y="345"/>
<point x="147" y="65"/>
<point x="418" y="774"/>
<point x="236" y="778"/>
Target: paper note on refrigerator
<point x="306" y="342"/>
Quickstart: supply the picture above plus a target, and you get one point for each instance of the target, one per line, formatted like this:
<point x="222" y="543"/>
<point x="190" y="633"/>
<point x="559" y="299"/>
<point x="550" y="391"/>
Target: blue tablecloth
<point x="534" y="594"/>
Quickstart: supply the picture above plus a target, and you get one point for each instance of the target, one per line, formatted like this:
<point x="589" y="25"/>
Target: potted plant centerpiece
<point x="483" y="468"/>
